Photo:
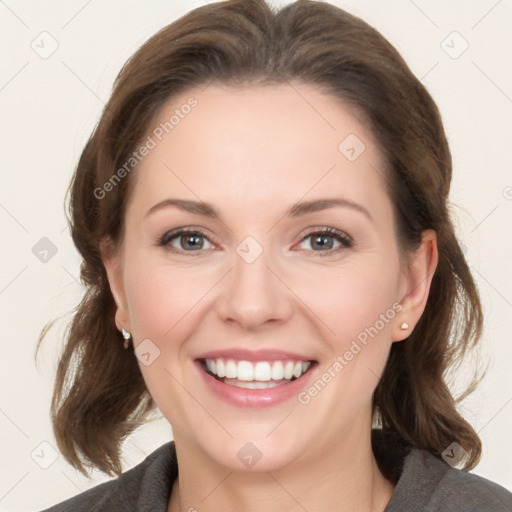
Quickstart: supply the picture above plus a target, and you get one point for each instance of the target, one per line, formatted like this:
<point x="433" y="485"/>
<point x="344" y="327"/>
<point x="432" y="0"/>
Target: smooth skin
<point x="253" y="153"/>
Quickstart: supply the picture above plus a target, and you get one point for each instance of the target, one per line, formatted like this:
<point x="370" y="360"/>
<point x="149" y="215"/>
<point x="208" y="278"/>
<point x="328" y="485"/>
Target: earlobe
<point x="113" y="266"/>
<point x="419" y="274"/>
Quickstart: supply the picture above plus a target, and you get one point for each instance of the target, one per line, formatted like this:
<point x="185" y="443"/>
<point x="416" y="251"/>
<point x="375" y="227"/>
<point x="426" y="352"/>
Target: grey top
<point x="424" y="483"/>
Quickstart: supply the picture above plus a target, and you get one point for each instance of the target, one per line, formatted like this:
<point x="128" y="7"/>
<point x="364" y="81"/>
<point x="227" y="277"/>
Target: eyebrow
<point x="297" y="210"/>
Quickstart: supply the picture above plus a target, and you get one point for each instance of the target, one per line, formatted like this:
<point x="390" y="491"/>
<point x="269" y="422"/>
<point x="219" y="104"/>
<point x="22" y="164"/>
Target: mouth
<point x="255" y="374"/>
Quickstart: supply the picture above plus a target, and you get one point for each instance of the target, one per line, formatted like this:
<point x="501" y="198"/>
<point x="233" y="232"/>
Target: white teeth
<point x="211" y="364"/>
<point x="230" y="369"/>
<point x="288" y="370"/>
<point x="221" y="369"/>
<point x="277" y="371"/>
<point x="245" y="371"/>
<point x="254" y="384"/>
<point x="262" y="371"/>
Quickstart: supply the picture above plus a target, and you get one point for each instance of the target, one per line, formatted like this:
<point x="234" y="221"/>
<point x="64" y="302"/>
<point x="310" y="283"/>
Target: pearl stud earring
<point x="127" y="337"/>
<point x="404" y="326"/>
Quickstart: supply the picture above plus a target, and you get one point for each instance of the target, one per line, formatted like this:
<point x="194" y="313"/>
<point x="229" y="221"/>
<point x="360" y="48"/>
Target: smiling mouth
<point x="255" y="375"/>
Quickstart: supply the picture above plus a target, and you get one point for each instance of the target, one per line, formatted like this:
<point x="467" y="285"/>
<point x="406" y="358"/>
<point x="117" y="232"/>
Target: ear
<point x="418" y="278"/>
<point x="113" y="263"/>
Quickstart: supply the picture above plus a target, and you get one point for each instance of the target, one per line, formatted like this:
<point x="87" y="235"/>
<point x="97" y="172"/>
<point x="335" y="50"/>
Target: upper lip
<point x="242" y="354"/>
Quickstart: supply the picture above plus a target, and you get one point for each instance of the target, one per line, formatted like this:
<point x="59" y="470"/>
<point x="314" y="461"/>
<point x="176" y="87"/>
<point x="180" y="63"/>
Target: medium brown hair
<point x="100" y="396"/>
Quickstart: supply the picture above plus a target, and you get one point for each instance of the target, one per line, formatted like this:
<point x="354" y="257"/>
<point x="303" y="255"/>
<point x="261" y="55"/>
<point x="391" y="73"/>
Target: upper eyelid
<point x="330" y="231"/>
<point x="174" y="233"/>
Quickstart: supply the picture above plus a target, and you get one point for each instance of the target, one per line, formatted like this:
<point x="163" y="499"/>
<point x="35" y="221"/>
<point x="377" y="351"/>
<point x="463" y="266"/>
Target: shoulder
<point x="152" y="480"/>
<point x="425" y="482"/>
<point x="428" y="483"/>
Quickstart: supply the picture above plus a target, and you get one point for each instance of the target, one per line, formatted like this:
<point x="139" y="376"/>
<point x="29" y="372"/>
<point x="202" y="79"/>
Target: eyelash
<point x="345" y="240"/>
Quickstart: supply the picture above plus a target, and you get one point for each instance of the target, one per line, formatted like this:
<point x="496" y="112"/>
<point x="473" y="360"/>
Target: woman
<point x="263" y="217"/>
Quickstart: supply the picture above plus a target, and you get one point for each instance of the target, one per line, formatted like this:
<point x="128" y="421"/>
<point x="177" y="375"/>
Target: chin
<point x="242" y="455"/>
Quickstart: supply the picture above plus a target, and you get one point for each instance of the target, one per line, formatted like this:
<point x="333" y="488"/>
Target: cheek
<point x="161" y="298"/>
<point x="167" y="302"/>
<point x="366" y="306"/>
<point x="352" y="299"/>
<point x="164" y="303"/>
<point x="357" y="309"/>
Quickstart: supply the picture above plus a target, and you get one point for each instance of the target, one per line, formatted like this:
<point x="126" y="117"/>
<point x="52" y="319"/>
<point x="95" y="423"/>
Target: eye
<point x="327" y="241"/>
<point x="323" y="241"/>
<point x="185" y="241"/>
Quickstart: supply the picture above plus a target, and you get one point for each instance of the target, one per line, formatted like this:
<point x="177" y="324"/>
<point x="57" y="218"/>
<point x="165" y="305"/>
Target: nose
<point x="254" y="294"/>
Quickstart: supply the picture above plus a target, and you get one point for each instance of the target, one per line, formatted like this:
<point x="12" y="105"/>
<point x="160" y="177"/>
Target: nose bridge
<point x="253" y="295"/>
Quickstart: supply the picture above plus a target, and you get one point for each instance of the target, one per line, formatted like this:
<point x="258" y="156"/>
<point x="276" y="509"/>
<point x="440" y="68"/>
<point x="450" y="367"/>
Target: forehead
<point x="258" y="143"/>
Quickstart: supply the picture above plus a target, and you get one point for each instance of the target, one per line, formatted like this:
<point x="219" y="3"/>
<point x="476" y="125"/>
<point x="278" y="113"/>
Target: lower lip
<point x="254" y="398"/>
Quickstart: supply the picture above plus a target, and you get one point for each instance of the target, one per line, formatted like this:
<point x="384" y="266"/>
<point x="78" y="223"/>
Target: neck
<point x="345" y="478"/>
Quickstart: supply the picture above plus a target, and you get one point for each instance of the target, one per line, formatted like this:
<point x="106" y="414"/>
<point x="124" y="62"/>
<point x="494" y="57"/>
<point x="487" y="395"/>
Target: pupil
<point x="320" y="241"/>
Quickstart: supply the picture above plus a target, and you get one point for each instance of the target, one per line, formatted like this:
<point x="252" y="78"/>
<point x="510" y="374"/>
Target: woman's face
<point x="259" y="240"/>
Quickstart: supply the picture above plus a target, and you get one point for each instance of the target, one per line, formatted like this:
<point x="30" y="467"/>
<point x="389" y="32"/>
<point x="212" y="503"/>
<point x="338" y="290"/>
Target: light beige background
<point x="49" y="107"/>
